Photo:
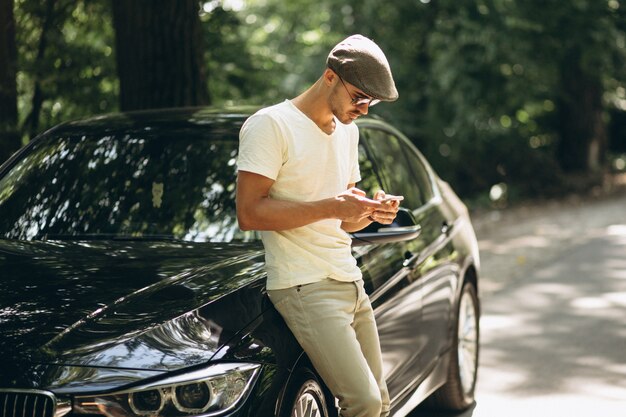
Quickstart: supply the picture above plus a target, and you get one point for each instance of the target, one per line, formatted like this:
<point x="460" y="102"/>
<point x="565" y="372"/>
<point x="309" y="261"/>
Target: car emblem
<point x="157" y="194"/>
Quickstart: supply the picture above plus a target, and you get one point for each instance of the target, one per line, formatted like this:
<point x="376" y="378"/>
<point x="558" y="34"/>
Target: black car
<point x="127" y="288"/>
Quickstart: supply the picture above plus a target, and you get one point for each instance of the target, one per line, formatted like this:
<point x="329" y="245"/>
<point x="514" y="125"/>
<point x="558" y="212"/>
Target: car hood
<point x="139" y="305"/>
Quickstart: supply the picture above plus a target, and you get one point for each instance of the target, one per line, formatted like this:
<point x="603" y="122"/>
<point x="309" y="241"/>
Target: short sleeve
<point x="261" y="147"/>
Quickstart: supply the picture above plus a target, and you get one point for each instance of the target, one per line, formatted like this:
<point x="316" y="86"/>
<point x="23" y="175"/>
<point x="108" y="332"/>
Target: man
<point x="297" y="170"/>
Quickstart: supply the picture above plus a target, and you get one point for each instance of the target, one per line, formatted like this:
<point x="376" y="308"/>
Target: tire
<point x="305" y="396"/>
<point x="457" y="393"/>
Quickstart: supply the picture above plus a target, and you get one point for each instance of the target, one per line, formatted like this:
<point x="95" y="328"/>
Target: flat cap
<point x="359" y="61"/>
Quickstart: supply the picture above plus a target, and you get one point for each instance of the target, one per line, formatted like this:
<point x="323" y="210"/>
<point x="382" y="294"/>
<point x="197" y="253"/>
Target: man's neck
<point x="314" y="104"/>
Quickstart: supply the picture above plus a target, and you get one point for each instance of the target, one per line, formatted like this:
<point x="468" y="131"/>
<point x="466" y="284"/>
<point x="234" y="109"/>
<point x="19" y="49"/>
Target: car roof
<point x="209" y="119"/>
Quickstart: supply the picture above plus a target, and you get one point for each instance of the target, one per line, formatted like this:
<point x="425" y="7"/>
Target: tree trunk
<point x="159" y="54"/>
<point x="31" y="123"/>
<point x="583" y="142"/>
<point x="9" y="138"/>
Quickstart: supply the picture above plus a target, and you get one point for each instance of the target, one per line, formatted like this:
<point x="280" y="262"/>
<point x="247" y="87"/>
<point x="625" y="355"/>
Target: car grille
<point x="26" y="404"/>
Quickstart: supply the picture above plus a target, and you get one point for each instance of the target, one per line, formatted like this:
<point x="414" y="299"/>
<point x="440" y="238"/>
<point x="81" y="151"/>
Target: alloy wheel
<point x="467" y="342"/>
<point x="307" y="404"/>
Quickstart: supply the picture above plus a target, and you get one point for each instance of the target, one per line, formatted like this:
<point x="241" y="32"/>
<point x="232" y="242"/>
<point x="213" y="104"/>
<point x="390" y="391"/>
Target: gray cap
<point x="359" y="61"/>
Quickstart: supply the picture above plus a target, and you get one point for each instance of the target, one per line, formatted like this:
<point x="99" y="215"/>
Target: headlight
<point x="208" y="392"/>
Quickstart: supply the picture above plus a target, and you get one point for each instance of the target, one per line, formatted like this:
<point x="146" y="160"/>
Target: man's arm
<point x="257" y="211"/>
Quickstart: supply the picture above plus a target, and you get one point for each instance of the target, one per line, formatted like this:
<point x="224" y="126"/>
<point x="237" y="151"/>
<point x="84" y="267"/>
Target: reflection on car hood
<point x="121" y="304"/>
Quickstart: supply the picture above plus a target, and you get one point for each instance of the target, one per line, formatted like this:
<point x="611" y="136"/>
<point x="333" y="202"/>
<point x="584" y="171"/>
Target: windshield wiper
<point x="168" y="238"/>
<point x="111" y="236"/>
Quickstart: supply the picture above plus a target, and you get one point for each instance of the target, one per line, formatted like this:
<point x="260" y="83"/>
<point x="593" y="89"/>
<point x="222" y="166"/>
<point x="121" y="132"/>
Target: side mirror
<point x="404" y="227"/>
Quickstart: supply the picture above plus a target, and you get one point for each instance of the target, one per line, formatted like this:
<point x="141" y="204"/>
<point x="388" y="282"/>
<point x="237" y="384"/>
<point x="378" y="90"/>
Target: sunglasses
<point x="360" y="101"/>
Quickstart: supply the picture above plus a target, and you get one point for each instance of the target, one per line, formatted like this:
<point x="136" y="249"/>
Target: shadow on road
<point x="423" y="411"/>
<point x="552" y="329"/>
<point x="560" y="327"/>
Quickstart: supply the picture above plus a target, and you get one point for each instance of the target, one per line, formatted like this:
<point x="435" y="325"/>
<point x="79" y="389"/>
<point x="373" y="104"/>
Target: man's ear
<point x="329" y="76"/>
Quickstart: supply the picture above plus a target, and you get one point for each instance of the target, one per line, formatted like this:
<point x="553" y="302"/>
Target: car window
<point x="370" y="181"/>
<point x="401" y="170"/>
<point x="126" y="185"/>
<point x="378" y="263"/>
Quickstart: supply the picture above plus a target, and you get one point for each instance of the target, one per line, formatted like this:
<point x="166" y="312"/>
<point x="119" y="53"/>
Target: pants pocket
<point x="280" y="297"/>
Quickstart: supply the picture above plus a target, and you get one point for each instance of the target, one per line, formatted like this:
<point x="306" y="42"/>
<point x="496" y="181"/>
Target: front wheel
<point x="458" y="392"/>
<point x="305" y="397"/>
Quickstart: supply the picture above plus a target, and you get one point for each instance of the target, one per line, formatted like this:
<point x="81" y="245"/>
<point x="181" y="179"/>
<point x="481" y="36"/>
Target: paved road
<point x="554" y="311"/>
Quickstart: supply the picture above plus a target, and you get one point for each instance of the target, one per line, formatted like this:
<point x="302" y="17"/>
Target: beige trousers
<point x="334" y="323"/>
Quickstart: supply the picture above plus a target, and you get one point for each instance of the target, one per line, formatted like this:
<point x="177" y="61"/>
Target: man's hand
<point x="367" y="210"/>
<point x="353" y="205"/>
<point x="386" y="212"/>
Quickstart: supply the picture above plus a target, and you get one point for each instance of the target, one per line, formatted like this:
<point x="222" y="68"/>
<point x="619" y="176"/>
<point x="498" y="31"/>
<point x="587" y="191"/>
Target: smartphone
<point x="389" y="197"/>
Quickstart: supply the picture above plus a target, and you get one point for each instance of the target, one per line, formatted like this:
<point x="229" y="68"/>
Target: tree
<point x="31" y="124"/>
<point x="65" y="62"/>
<point x="159" y="54"/>
<point x="9" y="138"/>
<point x="578" y="42"/>
<point x="491" y="91"/>
<point x="583" y="131"/>
<point x="505" y="91"/>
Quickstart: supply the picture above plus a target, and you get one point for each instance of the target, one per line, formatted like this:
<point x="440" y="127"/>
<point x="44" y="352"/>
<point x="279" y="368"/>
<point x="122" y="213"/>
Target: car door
<point x="414" y="321"/>
<point x="395" y="298"/>
<point x="434" y="262"/>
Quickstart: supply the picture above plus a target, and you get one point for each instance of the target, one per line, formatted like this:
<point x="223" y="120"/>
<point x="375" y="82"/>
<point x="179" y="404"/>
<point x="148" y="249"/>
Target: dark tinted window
<point x="370" y="182"/>
<point x="401" y="170"/>
<point x="123" y="186"/>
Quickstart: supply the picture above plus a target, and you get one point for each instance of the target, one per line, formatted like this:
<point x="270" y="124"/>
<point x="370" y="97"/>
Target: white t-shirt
<point x="282" y="143"/>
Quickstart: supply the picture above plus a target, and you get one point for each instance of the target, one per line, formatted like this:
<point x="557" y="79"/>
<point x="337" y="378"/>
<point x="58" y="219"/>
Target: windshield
<point x="124" y="187"/>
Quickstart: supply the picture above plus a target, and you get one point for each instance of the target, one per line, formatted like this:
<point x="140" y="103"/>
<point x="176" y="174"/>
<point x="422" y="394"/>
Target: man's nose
<point x="364" y="108"/>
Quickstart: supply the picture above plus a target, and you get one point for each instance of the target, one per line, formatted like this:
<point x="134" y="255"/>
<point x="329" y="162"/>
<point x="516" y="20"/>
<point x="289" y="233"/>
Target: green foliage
<point x="288" y="41"/>
<point x="77" y="69"/>
<point x="479" y="81"/>
<point x="233" y="74"/>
